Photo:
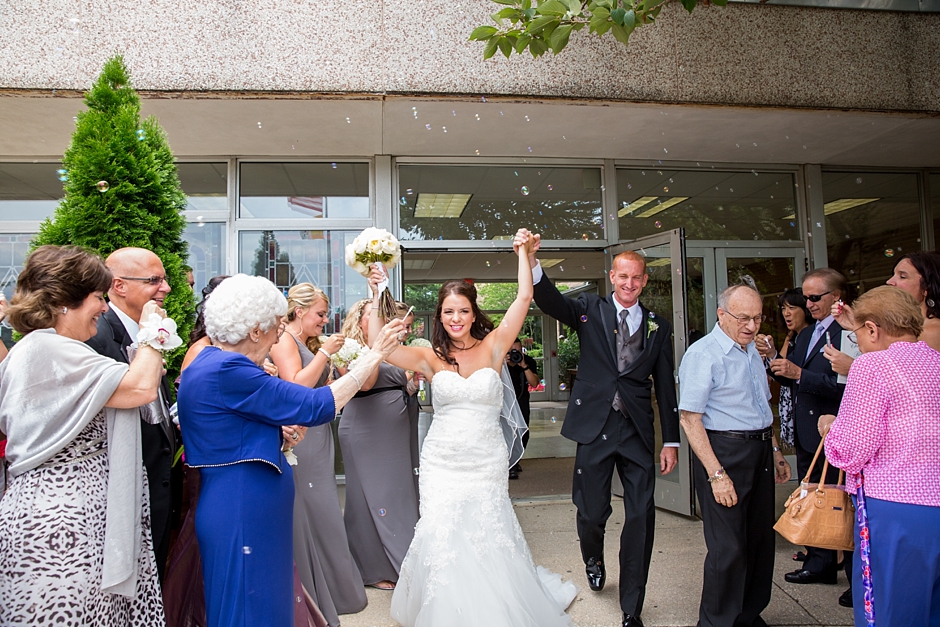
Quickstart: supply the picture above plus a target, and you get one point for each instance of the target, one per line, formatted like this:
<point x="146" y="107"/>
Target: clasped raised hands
<point x="526" y="242"/>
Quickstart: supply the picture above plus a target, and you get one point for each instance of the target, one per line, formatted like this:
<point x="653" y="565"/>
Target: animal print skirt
<point x="52" y="522"/>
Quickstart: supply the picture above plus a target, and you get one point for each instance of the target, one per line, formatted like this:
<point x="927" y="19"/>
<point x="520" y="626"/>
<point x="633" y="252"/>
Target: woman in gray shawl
<point x="75" y="542"/>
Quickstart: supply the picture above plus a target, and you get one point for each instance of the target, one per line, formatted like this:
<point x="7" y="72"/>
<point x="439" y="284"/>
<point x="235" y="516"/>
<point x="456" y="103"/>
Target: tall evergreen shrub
<point x="122" y="189"/>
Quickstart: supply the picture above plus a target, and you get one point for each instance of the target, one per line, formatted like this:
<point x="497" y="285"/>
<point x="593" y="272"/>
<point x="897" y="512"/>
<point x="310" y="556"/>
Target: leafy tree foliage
<point x="122" y="189"/>
<point x="543" y="25"/>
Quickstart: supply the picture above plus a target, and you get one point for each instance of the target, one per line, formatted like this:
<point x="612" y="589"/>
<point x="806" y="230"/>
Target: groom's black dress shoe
<point x="632" y="621"/>
<point x="806" y="576"/>
<point x="596" y="574"/>
<point x="845" y="599"/>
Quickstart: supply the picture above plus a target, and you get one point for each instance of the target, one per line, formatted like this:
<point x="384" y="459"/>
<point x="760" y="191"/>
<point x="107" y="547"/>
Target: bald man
<point x="139" y="277"/>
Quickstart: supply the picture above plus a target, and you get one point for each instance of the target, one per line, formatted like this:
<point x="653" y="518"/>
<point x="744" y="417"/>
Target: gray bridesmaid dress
<point x="321" y="550"/>
<point x="381" y="499"/>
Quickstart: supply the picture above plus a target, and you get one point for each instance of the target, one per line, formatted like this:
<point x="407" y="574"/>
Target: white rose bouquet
<point x="347" y="354"/>
<point x="420" y="341"/>
<point x="376" y="246"/>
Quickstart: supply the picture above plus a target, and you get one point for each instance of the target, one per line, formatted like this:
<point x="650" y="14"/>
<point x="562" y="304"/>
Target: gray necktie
<point x="623" y="334"/>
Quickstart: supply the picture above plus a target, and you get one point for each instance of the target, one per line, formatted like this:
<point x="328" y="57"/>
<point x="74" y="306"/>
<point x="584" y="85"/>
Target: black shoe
<point x="632" y="621"/>
<point x="518" y="467"/>
<point x="513" y="474"/>
<point x="805" y="576"/>
<point x="596" y="574"/>
<point x="845" y="599"/>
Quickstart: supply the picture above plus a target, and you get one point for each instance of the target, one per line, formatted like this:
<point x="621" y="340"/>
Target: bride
<point x="469" y="563"/>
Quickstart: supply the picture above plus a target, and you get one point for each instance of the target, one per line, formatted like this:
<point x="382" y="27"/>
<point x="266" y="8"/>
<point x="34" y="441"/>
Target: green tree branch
<point x="543" y="25"/>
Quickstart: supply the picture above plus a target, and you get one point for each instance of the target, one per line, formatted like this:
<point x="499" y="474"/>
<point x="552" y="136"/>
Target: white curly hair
<point x="239" y="304"/>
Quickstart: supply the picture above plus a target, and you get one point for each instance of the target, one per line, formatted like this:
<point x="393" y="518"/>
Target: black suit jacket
<point x="595" y="321"/>
<point x="158" y="442"/>
<point x="818" y="391"/>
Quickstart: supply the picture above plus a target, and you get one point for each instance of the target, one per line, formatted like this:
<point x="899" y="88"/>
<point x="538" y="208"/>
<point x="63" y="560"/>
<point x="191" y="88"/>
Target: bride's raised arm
<point x="524" y="244"/>
<point x="416" y="358"/>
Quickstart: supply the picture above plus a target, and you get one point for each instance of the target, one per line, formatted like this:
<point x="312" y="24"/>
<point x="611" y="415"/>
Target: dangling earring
<point x="931" y="303"/>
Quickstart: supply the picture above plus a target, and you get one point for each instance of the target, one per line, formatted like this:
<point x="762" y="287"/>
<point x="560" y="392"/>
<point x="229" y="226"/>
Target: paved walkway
<point x="675" y="576"/>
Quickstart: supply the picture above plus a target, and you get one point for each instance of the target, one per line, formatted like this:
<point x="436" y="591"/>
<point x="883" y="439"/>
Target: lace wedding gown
<point x="469" y="563"/>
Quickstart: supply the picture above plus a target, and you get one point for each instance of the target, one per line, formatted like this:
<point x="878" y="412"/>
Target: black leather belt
<point x="759" y="434"/>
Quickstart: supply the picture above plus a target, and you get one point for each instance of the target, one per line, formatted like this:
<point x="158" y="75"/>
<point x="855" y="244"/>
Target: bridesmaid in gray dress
<point x="381" y="499"/>
<point x="321" y="550"/>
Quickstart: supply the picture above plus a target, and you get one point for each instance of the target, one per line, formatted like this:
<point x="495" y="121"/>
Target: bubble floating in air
<point x="141" y="134"/>
<point x="103" y="186"/>
<point x="62" y="174"/>
<point x="889" y="252"/>
<point x="524" y="190"/>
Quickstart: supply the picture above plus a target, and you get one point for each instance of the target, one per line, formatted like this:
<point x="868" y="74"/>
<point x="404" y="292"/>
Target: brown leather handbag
<point x="819" y="515"/>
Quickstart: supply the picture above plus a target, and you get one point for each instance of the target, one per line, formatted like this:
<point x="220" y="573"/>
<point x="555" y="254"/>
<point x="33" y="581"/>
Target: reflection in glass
<point x="304" y="190"/>
<point x="205" y="185"/>
<point x="935" y="206"/>
<point x="492" y="202"/>
<point x="206" y="251"/>
<point x="30" y="191"/>
<point x="290" y="257"/>
<point x="872" y="219"/>
<point x="709" y="204"/>
<point x="13" y="250"/>
<point x="695" y="295"/>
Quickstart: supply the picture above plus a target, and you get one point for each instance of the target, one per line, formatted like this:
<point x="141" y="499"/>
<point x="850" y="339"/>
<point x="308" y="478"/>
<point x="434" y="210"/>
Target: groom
<point x="610" y="416"/>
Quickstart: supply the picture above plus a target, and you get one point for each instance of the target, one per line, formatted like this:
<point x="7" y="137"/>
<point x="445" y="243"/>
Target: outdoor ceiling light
<point x="662" y="261"/>
<point x="662" y="206"/>
<point x="417" y="264"/>
<point x="842" y="204"/>
<point x="548" y="263"/>
<point x="441" y="205"/>
<point x="835" y="206"/>
<point x="636" y="204"/>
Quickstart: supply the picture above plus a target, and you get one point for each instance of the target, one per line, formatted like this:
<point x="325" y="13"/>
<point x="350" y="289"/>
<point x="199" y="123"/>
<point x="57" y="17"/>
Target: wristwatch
<point x="718" y="476"/>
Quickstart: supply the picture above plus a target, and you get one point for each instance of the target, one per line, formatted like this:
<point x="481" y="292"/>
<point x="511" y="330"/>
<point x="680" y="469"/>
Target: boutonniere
<point x="651" y="326"/>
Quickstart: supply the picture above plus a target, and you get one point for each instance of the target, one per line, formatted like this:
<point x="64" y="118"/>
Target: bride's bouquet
<point x="376" y="246"/>
<point x="347" y="354"/>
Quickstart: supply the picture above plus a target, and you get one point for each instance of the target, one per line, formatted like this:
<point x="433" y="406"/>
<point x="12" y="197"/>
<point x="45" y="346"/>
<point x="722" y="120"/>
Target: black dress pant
<point x="817" y="560"/>
<point x="620" y="447"/>
<point x="739" y="565"/>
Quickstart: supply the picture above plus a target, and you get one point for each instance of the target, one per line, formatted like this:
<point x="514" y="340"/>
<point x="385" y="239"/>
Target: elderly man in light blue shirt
<point x="723" y="399"/>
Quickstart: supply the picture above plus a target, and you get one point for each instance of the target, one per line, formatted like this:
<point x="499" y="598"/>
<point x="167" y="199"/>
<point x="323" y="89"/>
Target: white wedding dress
<point x="469" y="563"/>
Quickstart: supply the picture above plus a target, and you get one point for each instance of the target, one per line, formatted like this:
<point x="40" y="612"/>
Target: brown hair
<point x="891" y="308"/>
<point x="304" y="295"/>
<point x="629" y="255"/>
<point x="55" y="277"/>
<point x="927" y="264"/>
<point x="351" y="328"/>
<point x="482" y="325"/>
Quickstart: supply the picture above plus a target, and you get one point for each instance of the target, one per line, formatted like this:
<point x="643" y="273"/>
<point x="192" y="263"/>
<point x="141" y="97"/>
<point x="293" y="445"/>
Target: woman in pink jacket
<point x="888" y="431"/>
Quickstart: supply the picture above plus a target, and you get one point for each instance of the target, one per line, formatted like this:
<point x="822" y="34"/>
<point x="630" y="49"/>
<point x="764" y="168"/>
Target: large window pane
<point x="13" y="249"/>
<point x="872" y="219"/>
<point x="492" y="202"/>
<point x="935" y="206"/>
<point x="30" y="191"/>
<point x="206" y="251"/>
<point x="317" y="257"/>
<point x="711" y="205"/>
<point x="205" y="184"/>
<point x="304" y="190"/>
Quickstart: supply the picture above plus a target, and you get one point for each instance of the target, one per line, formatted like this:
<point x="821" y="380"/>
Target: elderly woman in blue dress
<point x="231" y="413"/>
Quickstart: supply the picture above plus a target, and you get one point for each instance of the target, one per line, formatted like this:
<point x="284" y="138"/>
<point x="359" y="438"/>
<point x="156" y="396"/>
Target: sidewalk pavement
<point x="675" y="583"/>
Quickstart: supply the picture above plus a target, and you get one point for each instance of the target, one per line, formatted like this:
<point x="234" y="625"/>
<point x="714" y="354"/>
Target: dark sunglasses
<point x="816" y="297"/>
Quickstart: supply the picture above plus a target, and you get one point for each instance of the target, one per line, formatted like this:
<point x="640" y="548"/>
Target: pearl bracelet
<point x="323" y="350"/>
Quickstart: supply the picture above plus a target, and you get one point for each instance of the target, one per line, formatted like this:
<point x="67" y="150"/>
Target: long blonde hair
<point x="304" y="295"/>
<point x="351" y="325"/>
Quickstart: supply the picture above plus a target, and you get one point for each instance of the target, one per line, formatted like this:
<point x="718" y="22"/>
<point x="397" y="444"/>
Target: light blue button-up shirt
<point x="725" y="383"/>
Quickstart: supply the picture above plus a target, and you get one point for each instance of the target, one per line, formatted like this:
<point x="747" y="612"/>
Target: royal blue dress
<point x="231" y="413"/>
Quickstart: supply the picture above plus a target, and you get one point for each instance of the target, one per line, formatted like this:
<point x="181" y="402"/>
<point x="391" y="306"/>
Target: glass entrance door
<point x="665" y="293"/>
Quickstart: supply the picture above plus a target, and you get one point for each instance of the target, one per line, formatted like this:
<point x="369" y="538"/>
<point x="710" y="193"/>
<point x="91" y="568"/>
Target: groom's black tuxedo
<point x="609" y="439"/>
<point x="158" y="442"/>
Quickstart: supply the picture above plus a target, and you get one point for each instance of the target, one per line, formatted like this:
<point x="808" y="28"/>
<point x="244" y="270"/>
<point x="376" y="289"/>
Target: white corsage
<point x="159" y="333"/>
<point x="290" y="457"/>
<point x="651" y="327"/>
